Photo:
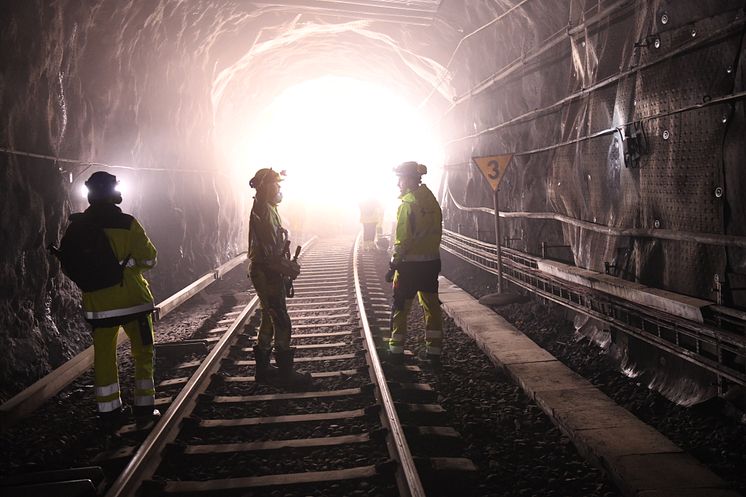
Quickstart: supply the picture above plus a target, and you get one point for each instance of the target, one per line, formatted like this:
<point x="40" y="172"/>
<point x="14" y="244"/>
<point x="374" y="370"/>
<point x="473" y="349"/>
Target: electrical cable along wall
<point x="627" y="115"/>
<point x="642" y="151"/>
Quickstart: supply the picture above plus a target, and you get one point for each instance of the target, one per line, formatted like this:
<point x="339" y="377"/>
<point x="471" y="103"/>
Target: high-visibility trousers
<point x="420" y="279"/>
<point x="275" y="326"/>
<point x="106" y="370"/>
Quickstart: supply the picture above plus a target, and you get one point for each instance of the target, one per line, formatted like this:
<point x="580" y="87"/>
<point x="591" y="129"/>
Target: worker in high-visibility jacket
<point x="415" y="263"/>
<point x="269" y="269"/>
<point x="128" y="304"/>
<point x="371" y="217"/>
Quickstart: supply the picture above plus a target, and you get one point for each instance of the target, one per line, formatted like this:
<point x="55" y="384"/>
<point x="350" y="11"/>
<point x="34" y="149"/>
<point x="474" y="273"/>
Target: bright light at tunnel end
<point x="339" y="139"/>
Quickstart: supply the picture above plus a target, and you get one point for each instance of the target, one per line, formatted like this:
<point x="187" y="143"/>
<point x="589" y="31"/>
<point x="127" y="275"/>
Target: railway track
<point x="222" y="433"/>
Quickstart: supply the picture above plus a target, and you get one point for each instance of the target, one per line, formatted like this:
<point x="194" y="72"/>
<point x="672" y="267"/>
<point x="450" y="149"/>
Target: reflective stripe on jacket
<point x="128" y="239"/>
<point x="419" y="226"/>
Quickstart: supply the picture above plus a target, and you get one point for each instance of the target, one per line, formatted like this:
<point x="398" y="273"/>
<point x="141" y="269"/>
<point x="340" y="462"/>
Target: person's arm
<point x="403" y="236"/>
<point x="143" y="253"/>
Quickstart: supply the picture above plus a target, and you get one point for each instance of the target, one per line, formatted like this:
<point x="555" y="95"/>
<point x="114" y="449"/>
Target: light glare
<point x="339" y="139"/>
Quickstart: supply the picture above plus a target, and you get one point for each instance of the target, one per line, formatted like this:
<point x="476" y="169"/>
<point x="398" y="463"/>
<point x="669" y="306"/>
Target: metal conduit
<point x="627" y="316"/>
<point x="510" y="68"/>
<point x="617" y="129"/>
<point x="655" y="233"/>
<point x="88" y="163"/>
<point x="442" y="78"/>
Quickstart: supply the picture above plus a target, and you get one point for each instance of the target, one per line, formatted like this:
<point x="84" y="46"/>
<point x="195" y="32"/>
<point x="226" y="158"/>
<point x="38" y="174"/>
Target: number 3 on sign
<point x="494" y="168"/>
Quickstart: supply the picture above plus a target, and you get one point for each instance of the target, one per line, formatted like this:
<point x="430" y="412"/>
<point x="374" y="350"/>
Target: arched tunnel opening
<point x="607" y="137"/>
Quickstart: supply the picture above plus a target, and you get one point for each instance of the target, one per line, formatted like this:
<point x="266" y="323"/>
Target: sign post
<point x="493" y="168"/>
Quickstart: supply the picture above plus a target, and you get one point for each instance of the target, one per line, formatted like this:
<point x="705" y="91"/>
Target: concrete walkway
<point x="641" y="461"/>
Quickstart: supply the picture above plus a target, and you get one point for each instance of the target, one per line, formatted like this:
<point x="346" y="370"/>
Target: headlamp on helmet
<point x="266" y="176"/>
<point x="102" y="188"/>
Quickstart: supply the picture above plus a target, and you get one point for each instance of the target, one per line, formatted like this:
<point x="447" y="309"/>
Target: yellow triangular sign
<point x="493" y="167"/>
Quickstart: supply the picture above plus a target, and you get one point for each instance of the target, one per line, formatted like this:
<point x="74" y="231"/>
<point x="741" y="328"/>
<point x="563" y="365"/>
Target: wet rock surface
<point x="704" y="431"/>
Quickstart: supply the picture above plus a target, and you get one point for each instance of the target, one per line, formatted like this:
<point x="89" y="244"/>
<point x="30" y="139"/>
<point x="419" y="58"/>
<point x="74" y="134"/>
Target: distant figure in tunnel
<point x="371" y="217"/>
<point x="415" y="264"/>
<point x="105" y="252"/>
<point x="268" y="271"/>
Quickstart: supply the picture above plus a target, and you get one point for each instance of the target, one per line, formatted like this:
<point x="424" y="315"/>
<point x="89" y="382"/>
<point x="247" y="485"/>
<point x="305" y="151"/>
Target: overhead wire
<point x="657" y="233"/>
<point x="442" y="78"/>
<point x="87" y="164"/>
<point x="530" y="115"/>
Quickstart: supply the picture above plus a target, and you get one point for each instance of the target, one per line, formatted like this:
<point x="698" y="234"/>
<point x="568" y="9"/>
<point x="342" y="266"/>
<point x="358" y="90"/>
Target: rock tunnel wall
<point x="103" y="82"/>
<point x="151" y="92"/>
<point x="570" y="87"/>
<point x="566" y="93"/>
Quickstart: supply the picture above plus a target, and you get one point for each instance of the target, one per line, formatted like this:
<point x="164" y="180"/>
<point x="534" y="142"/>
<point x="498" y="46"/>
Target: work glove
<point x="393" y="265"/>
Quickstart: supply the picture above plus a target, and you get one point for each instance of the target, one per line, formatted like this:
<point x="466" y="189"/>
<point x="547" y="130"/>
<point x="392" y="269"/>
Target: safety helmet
<point x="102" y="187"/>
<point x="264" y="176"/>
<point x="411" y="169"/>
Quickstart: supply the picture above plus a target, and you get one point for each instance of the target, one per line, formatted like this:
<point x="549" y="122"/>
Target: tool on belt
<point x="289" y="289"/>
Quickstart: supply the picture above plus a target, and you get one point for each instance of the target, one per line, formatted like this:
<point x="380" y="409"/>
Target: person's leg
<point x="404" y="293"/>
<point x="105" y="371"/>
<point x="266" y="332"/>
<point x="427" y="285"/>
<point x="263" y="290"/>
<point x="433" y="323"/>
<point x="284" y="353"/>
<point x="140" y="333"/>
<point x="369" y="236"/>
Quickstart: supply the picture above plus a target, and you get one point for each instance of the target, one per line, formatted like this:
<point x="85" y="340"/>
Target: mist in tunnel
<point x="338" y="139"/>
<point x="184" y="101"/>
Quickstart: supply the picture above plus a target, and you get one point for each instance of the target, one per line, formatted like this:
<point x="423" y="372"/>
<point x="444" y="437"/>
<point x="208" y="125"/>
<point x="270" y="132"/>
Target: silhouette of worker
<point x="415" y="264"/>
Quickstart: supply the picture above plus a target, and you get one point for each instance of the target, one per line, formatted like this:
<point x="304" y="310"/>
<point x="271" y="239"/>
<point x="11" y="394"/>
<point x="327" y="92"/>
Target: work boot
<point x="113" y="420"/>
<point x="287" y="376"/>
<point x="393" y="358"/>
<point x="265" y="373"/>
<point x="144" y="415"/>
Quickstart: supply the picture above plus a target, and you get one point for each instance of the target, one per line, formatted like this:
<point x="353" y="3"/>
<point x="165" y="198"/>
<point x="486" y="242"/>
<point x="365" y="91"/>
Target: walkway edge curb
<point x="641" y="461"/>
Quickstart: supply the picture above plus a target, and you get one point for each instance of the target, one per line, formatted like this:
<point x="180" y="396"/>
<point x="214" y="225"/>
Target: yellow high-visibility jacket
<point x="371" y="212"/>
<point x="132" y="297"/>
<point x="419" y="226"/>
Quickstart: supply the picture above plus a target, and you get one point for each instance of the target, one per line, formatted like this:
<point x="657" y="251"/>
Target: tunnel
<point x="607" y="136"/>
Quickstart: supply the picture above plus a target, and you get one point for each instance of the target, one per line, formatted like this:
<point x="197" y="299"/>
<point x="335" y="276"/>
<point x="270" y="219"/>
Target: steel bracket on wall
<point x="635" y="143"/>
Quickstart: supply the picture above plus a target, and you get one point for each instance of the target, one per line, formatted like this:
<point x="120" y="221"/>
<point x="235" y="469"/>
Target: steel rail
<point x="188" y="292"/>
<point x="410" y="474"/>
<point x="719" y="340"/>
<point x="148" y="455"/>
<point x="734" y="316"/>
<point x="693" y="329"/>
<point x="30" y="398"/>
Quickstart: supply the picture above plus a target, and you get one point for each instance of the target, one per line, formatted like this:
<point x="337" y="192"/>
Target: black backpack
<point x="86" y="255"/>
